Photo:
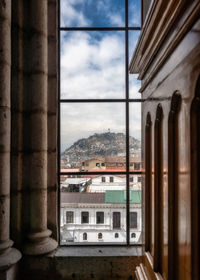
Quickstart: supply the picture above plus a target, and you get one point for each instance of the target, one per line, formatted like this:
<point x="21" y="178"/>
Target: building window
<point x="100" y="217"/>
<point x="131" y="179"/>
<point x="84" y="217"/>
<point x="99" y="106"/>
<point x="116" y="219"/>
<point x="111" y="179"/>
<point x="116" y="235"/>
<point x="139" y="179"/>
<point x="133" y="235"/>
<point x="69" y="217"/>
<point x="84" y="236"/>
<point x="103" y="179"/>
<point x="136" y="166"/>
<point x="133" y="219"/>
<point x="100" y="235"/>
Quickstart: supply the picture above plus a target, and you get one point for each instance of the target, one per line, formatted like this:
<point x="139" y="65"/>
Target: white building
<point x="75" y="184"/>
<point x="99" y="217"/>
<point x="113" y="182"/>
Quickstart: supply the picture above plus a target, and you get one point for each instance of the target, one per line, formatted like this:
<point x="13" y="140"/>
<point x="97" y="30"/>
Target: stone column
<point x="8" y="255"/>
<point x="39" y="240"/>
<point x="52" y="116"/>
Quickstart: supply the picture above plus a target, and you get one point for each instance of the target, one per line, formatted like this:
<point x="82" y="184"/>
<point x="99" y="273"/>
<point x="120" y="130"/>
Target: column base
<point x="40" y="244"/>
<point x="10" y="257"/>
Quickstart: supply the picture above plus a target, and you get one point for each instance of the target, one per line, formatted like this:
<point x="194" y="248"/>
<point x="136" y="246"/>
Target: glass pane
<point x="92" y="137"/>
<point x="135" y="13"/>
<point x="135" y="180"/>
<point x="134" y="86"/>
<point x="93" y="210"/>
<point x="135" y="214"/>
<point x="135" y="133"/>
<point x="133" y="39"/>
<point x="92" y="65"/>
<point x="95" y="13"/>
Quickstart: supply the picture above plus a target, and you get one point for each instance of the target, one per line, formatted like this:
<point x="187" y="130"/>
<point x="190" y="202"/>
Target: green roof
<point x="120" y="196"/>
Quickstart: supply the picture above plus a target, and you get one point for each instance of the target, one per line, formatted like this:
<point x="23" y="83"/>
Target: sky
<point x="92" y="66"/>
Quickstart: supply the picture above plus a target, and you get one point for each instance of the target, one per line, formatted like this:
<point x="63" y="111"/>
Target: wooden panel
<point x="158" y="169"/>
<point x="173" y="160"/>
<point x="195" y="183"/>
<point x="148" y="181"/>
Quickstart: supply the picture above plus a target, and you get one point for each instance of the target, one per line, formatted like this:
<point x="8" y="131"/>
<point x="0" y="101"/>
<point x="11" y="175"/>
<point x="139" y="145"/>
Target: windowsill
<point x="97" y="251"/>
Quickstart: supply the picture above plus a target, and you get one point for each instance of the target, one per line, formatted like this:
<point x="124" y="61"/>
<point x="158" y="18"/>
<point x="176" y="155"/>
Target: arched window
<point x="195" y="181"/>
<point x="148" y="183"/>
<point x="133" y="235"/>
<point x="173" y="142"/>
<point x="100" y="235"/>
<point x="116" y="235"/>
<point x="158" y="186"/>
<point x="84" y="236"/>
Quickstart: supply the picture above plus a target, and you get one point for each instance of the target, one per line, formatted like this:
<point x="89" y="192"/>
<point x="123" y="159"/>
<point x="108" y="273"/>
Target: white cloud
<point x="70" y="16"/>
<point x="92" y="68"/>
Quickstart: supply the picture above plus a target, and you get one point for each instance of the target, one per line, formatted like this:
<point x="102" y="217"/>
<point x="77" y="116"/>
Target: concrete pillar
<point x="39" y="236"/>
<point x="8" y="255"/>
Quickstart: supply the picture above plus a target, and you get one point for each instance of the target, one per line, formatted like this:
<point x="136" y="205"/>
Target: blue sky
<point x="92" y="66"/>
<point x="98" y="13"/>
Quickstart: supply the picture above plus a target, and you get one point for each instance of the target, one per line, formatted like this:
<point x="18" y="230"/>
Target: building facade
<point x="99" y="217"/>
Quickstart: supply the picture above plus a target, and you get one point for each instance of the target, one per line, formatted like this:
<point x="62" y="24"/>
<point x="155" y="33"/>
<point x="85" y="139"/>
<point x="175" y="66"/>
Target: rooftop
<point x="110" y="196"/>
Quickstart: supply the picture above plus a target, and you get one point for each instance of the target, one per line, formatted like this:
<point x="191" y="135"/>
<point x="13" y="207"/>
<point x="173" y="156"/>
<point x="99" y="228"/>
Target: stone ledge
<point x="98" y="251"/>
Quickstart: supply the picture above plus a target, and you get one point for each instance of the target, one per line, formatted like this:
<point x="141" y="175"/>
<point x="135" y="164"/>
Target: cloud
<point x="92" y="66"/>
<point x="70" y="16"/>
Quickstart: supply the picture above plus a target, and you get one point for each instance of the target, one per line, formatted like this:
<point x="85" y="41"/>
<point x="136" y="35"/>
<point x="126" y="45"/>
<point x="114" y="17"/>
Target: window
<point x="131" y="179"/>
<point x="139" y="179"/>
<point x="100" y="217"/>
<point x="84" y="217"/>
<point x="103" y="179"/>
<point x="136" y="166"/>
<point x="84" y="236"/>
<point x="100" y="235"/>
<point x="69" y="217"/>
<point x="133" y="235"/>
<point x="116" y="235"/>
<point x="133" y="219"/>
<point x="99" y="113"/>
<point x="116" y="220"/>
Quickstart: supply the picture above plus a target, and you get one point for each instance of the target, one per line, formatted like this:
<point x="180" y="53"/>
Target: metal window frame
<point x="125" y="100"/>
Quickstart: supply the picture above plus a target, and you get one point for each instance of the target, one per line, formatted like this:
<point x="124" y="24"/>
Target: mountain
<point x="99" y="145"/>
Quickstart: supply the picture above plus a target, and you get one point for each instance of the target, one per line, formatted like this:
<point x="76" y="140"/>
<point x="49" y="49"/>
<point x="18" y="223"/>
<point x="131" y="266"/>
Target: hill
<point x="99" y="145"/>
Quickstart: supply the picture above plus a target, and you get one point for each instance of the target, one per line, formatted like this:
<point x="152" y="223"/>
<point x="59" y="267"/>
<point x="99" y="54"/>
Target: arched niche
<point x="158" y="189"/>
<point x="148" y="182"/>
<point x="173" y="186"/>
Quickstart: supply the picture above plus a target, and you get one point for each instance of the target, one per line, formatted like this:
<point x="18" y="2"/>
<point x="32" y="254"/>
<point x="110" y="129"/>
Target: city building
<point x="93" y="163"/>
<point x="99" y="217"/>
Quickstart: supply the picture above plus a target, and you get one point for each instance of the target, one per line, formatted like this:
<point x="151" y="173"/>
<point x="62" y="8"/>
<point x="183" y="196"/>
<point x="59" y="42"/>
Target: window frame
<point x="70" y="217"/>
<point x="132" y="225"/>
<point x="126" y="100"/>
<point x="100" y="212"/>
<point x="82" y="217"/>
<point x="117" y="215"/>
